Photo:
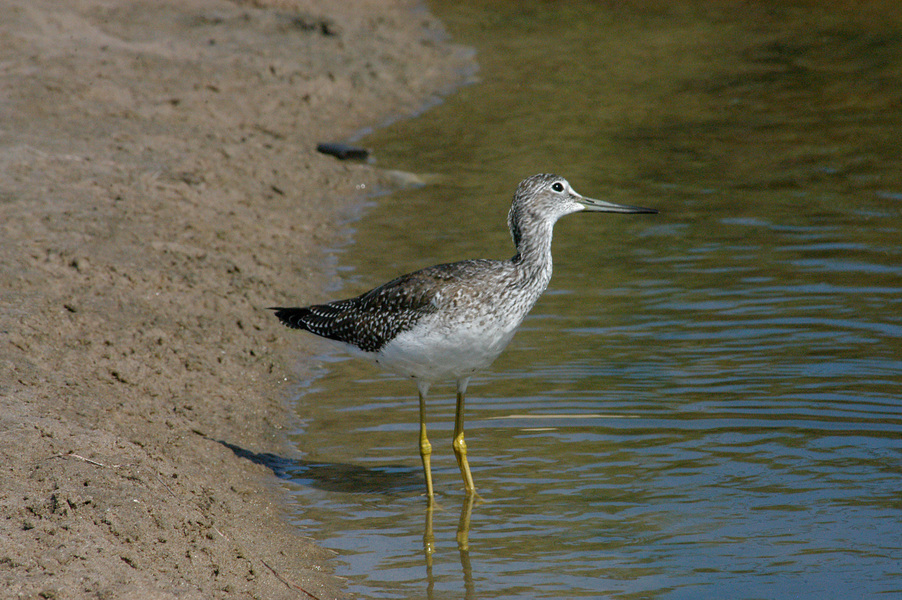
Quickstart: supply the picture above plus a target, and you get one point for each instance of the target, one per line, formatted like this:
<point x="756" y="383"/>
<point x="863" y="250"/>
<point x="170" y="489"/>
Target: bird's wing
<point x="372" y="319"/>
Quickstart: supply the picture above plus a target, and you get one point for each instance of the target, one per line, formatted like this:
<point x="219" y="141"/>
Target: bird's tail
<point x="292" y="317"/>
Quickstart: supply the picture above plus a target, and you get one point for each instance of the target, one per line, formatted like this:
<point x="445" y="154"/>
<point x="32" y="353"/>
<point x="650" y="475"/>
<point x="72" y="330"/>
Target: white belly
<point x="433" y="351"/>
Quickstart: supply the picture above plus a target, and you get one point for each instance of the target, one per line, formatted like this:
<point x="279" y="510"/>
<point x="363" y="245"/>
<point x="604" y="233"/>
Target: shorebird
<point x="448" y="321"/>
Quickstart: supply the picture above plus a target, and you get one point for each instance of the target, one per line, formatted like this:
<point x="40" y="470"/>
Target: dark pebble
<point x="343" y="151"/>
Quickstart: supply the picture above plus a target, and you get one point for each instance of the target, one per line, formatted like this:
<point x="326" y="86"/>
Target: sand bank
<point x="160" y="187"/>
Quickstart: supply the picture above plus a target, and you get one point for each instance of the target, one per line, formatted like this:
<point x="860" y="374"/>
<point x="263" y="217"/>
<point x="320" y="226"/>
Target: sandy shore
<point x="160" y="188"/>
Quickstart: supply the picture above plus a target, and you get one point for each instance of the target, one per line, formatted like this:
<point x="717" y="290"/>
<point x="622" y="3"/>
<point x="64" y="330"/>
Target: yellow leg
<point x="425" y="446"/>
<point x="459" y="445"/>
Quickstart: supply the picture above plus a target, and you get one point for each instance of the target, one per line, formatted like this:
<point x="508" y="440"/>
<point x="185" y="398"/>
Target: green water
<point x="707" y="403"/>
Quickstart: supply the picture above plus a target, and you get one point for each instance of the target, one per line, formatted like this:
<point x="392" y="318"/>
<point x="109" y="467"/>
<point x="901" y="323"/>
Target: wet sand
<point x="160" y="188"/>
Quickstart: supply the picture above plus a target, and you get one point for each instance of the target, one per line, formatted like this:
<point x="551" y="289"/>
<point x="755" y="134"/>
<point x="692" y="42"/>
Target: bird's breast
<point x="464" y="335"/>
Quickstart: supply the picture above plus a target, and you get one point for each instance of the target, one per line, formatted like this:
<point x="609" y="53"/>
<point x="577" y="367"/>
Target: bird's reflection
<point x="349" y="478"/>
<point x="463" y="546"/>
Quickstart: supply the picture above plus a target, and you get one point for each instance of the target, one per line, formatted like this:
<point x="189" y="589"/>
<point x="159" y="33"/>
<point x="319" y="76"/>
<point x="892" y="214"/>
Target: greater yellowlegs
<point x="449" y="321"/>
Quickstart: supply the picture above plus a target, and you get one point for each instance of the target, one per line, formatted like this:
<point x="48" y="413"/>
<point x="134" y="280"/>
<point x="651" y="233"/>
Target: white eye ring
<point x="557" y="186"/>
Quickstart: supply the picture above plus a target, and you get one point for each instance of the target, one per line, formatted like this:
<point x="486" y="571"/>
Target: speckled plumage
<point x="450" y="320"/>
<point x="488" y="297"/>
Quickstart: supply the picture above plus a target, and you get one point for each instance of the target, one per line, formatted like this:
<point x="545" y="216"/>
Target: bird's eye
<point x="557" y="186"/>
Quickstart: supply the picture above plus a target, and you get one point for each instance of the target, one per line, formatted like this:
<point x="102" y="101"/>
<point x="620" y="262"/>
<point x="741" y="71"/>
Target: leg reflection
<point x="429" y="548"/>
<point x="463" y="546"/>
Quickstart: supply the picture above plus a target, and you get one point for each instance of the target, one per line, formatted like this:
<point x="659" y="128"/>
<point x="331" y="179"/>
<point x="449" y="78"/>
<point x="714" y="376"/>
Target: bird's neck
<point x="533" y="258"/>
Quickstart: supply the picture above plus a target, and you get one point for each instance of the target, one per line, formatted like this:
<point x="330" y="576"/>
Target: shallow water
<point x="707" y="403"/>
